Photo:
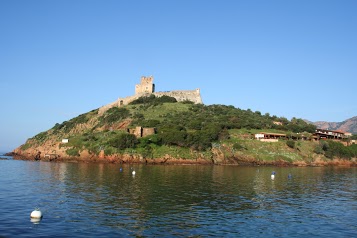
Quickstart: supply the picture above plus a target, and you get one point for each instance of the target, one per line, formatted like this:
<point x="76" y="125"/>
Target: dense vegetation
<point x="113" y="115"/>
<point x="67" y="126"/>
<point x="336" y="149"/>
<point x="184" y="127"/>
<point x="153" y="100"/>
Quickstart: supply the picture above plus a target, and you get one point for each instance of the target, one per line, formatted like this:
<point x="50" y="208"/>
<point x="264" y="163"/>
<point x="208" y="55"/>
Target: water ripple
<point x="85" y="200"/>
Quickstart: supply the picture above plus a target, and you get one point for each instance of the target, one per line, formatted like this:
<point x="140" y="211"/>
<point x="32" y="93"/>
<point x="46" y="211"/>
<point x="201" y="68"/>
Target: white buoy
<point x="35" y="220"/>
<point x="133" y="173"/>
<point x="37" y="214"/>
<point x="272" y="176"/>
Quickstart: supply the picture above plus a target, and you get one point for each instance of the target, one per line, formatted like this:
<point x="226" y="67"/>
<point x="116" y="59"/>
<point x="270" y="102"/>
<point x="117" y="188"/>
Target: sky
<point x="59" y="59"/>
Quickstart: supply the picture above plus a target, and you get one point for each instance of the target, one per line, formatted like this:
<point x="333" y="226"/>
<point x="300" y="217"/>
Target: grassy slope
<point x="159" y="112"/>
<point x="269" y="151"/>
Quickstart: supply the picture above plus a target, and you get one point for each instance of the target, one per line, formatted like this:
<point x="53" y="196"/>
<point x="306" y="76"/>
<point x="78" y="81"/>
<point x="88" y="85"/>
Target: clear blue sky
<point x="59" y="59"/>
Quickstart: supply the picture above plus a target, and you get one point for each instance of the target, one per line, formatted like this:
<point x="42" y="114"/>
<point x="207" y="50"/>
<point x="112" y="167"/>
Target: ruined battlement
<point x="147" y="87"/>
<point x="183" y="95"/>
<point x="140" y="132"/>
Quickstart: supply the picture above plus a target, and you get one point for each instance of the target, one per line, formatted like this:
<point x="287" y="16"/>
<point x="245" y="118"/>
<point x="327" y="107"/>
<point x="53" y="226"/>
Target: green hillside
<point x="186" y="131"/>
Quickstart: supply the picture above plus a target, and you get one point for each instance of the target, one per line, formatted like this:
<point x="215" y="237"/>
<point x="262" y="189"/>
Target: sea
<point x="107" y="200"/>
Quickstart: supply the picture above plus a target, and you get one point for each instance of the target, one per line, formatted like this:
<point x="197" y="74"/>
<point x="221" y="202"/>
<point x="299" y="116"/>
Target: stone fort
<point x="147" y="87"/>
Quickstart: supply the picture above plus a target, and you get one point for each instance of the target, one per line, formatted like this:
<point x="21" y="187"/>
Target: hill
<point x="161" y="130"/>
<point x="349" y="125"/>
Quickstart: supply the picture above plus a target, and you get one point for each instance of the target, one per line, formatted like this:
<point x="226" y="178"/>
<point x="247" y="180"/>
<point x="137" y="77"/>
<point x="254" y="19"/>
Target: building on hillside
<point x="320" y="134"/>
<point x="323" y="134"/>
<point x="147" y="88"/>
<point x="348" y="134"/>
<point x="278" y="123"/>
<point x="269" y="137"/>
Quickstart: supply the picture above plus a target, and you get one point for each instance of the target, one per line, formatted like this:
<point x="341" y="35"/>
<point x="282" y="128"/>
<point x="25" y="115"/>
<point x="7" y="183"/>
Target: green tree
<point x="123" y="141"/>
<point x="72" y="152"/>
<point x="290" y="143"/>
<point x="173" y="137"/>
<point x="198" y="140"/>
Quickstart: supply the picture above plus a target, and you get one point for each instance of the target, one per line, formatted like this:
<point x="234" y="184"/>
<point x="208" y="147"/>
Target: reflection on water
<point x="81" y="199"/>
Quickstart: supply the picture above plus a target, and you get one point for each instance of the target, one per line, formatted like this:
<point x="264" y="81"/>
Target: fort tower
<point x="146" y="86"/>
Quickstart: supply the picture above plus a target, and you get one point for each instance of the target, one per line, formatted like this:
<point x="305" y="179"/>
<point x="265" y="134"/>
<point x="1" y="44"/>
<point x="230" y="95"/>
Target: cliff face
<point x="349" y="125"/>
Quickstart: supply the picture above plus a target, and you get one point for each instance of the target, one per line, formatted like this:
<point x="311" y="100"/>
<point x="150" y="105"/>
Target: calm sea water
<point x="99" y="200"/>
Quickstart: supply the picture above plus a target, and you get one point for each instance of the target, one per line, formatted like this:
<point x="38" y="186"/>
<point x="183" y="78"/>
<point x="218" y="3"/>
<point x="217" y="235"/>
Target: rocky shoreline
<point x="167" y="160"/>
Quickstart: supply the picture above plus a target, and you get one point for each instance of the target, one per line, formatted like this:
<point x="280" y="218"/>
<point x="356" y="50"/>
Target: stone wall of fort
<point x="119" y="102"/>
<point x="183" y="95"/>
<point x="142" y="131"/>
<point x="147" y="87"/>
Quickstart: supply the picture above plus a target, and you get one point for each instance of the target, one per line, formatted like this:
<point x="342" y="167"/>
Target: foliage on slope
<point x="183" y="130"/>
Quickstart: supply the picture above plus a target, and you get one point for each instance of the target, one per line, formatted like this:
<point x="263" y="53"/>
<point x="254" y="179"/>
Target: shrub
<point x="198" y="141"/>
<point x="142" y="100"/>
<point x="153" y="100"/>
<point x="224" y="135"/>
<point x="337" y="149"/>
<point x="68" y="125"/>
<point x="80" y="119"/>
<point x="150" y="123"/>
<point x="138" y="116"/>
<point x="353" y="149"/>
<point x="238" y="146"/>
<point x="146" y="141"/>
<point x="324" y="145"/>
<point x="93" y="148"/>
<point x="41" y="136"/>
<point x="123" y="141"/>
<point x="25" y="146"/>
<point x="195" y="124"/>
<point x="72" y="152"/>
<point x="173" y="137"/>
<point x="290" y="143"/>
<point x="166" y="99"/>
<point x="89" y="137"/>
<point x="318" y="149"/>
<point x="146" y="152"/>
<point x="114" y="114"/>
<point x="109" y="151"/>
